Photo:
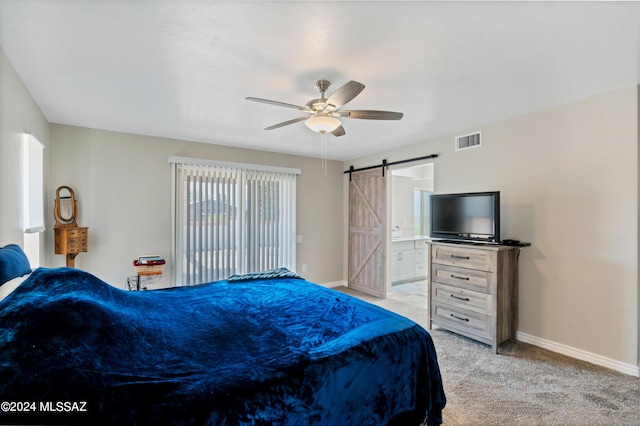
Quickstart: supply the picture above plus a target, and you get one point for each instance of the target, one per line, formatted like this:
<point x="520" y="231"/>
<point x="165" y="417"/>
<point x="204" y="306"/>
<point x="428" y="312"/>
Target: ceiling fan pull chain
<point x="324" y="152"/>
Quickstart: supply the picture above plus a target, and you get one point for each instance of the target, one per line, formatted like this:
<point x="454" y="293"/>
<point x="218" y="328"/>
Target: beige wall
<point x="19" y="114"/>
<point x="123" y="186"/>
<point x="568" y="178"/>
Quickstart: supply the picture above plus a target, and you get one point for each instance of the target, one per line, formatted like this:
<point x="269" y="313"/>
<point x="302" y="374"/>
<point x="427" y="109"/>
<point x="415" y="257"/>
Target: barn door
<point x="367" y="232"/>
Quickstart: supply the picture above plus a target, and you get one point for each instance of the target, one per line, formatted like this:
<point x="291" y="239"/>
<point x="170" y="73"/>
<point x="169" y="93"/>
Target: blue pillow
<point x="13" y="263"/>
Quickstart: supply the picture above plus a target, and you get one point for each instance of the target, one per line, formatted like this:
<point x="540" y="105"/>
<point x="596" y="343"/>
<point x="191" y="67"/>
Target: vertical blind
<point x="32" y="189"/>
<point x="231" y="218"/>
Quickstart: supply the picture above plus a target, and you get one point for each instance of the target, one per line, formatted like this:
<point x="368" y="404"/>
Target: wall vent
<point x="472" y="140"/>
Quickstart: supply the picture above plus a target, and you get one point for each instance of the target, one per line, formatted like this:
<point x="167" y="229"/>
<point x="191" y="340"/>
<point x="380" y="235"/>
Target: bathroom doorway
<point x="409" y="224"/>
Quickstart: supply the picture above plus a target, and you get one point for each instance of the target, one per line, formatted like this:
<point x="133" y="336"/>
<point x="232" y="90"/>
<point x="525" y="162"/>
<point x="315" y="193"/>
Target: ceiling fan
<point x="324" y="114"/>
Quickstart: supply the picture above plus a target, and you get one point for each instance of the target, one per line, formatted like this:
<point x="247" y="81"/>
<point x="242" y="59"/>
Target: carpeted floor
<point x="523" y="385"/>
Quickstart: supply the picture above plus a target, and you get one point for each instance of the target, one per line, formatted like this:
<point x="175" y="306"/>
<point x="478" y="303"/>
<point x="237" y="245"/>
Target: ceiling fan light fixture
<point x="324" y="114"/>
<point x="322" y="124"/>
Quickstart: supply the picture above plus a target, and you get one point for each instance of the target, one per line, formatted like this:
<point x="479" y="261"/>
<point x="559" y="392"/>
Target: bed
<point x="256" y="349"/>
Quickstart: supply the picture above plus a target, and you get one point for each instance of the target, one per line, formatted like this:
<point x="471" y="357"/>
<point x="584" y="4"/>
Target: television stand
<point x="473" y="290"/>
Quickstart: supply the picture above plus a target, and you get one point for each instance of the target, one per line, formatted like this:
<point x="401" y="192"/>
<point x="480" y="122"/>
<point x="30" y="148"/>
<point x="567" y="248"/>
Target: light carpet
<point x="523" y="385"/>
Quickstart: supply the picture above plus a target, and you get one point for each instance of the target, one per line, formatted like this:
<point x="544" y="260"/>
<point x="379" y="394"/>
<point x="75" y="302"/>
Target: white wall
<point x="122" y="183"/>
<point x="568" y="178"/>
<point x="18" y="114"/>
<point x="402" y="205"/>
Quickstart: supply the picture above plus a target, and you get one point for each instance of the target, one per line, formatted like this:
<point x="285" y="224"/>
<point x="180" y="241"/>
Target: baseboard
<point x="334" y="284"/>
<point x="600" y="360"/>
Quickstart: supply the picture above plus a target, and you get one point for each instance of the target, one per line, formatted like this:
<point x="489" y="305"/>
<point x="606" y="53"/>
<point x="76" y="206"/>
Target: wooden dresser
<point x="70" y="241"/>
<point x="69" y="238"/>
<point x="474" y="290"/>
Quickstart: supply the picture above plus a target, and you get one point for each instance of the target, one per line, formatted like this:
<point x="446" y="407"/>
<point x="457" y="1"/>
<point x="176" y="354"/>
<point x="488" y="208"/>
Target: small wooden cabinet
<point x="71" y="241"/>
<point x="474" y="291"/>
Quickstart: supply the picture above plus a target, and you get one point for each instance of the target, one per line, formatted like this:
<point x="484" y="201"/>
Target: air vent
<point x="472" y="140"/>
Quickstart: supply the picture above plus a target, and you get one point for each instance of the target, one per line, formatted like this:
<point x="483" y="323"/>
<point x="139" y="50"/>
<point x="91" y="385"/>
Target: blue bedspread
<point x="257" y="352"/>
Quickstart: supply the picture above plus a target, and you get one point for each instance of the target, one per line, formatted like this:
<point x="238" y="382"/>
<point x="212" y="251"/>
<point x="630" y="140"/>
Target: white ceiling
<point x="182" y="69"/>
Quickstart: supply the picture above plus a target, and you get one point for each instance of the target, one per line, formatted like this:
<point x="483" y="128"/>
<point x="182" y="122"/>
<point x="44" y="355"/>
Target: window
<point x="32" y="197"/>
<point x="231" y="218"/>
<point x="32" y="188"/>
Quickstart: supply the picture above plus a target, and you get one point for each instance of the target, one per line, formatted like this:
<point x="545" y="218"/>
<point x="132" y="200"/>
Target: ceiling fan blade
<point x="286" y="123"/>
<point x="371" y="114"/>
<point x="344" y="94"/>
<point x="276" y="103"/>
<point x="339" y="131"/>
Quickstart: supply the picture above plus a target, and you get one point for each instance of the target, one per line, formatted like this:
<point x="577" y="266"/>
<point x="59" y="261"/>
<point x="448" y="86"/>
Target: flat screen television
<point x="473" y="216"/>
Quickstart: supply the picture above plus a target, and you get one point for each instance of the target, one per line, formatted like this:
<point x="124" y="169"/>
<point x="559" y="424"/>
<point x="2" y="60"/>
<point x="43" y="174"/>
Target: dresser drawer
<point x="463" y="257"/>
<point x="76" y="232"/>
<point x="76" y="245"/>
<point x="462" y="321"/>
<point x="77" y="241"/>
<point x="464" y="278"/>
<point x="469" y="300"/>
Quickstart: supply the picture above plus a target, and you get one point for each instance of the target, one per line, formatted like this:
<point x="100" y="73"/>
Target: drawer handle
<point x="459" y="318"/>
<point x="459" y="277"/>
<point x="466" y="299"/>
<point x="455" y="256"/>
